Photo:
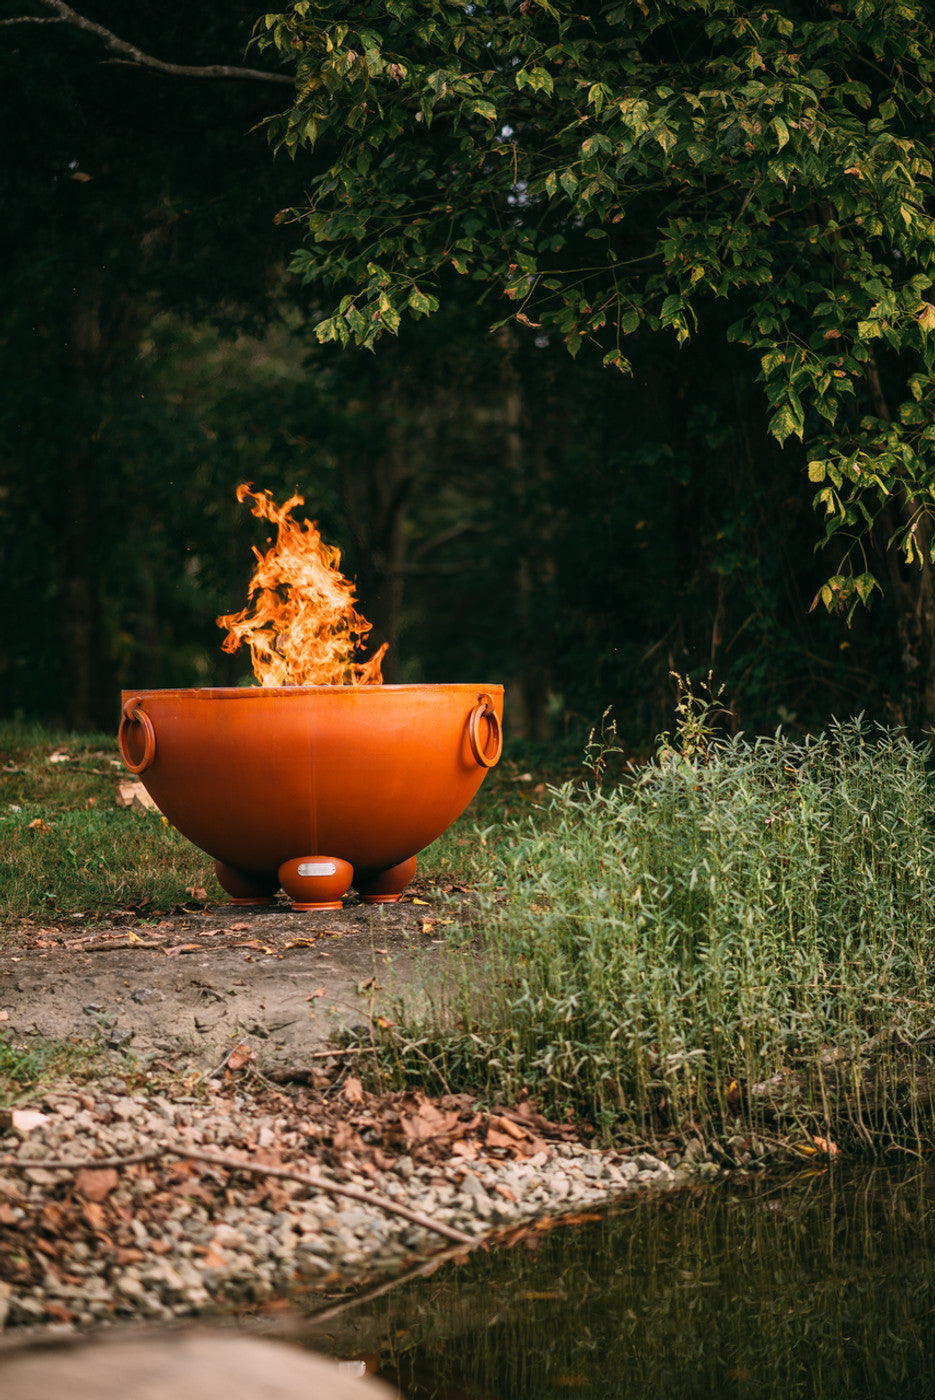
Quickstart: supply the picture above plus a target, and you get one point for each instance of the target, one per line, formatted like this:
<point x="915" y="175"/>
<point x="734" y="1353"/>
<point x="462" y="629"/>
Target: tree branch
<point x="234" y="1164"/>
<point x="64" y="14"/>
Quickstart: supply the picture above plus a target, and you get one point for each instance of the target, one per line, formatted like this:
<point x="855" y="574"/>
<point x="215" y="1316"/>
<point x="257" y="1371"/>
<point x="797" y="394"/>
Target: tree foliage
<point x="597" y="173"/>
<point x="507" y="514"/>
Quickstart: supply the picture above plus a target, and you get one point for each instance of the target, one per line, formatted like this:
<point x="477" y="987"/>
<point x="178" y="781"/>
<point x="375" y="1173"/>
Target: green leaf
<point x="783" y="424"/>
<point x="671" y="308"/>
<point x="539" y="79"/>
<point x="421" y="303"/>
<point x="484" y="109"/>
<point x="616" y="360"/>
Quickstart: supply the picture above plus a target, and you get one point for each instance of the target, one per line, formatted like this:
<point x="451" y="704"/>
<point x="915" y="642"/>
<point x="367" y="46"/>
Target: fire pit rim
<point x="132" y="711"/>
<point x="229" y="692"/>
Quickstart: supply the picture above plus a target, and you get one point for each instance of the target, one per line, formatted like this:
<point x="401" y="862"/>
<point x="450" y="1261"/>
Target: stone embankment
<point x="180" y="1235"/>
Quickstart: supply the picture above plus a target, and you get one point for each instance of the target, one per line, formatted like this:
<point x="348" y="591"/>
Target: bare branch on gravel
<point x="220" y="1159"/>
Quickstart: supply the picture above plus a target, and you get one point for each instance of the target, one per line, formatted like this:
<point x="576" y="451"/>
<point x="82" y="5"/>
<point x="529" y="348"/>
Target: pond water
<point x="819" y="1284"/>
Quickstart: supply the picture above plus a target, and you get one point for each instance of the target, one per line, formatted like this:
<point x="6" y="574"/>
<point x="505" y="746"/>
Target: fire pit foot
<point x="385" y="886"/>
<point x="316" y="882"/>
<point x="244" y="886"/>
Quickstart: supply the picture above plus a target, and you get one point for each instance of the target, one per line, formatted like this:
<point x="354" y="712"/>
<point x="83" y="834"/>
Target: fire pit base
<point x="245" y="887"/>
<point x="385" y="886"/>
<point x="316" y="882"/>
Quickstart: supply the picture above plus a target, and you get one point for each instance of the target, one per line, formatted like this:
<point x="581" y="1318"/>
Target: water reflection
<point x="814" y="1285"/>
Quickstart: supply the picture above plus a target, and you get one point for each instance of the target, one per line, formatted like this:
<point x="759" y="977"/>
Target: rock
<point x="26" y="1120"/>
<point x="212" y="1366"/>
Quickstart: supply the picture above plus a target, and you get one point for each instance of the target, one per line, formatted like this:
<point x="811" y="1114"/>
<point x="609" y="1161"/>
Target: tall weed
<point x="739" y="939"/>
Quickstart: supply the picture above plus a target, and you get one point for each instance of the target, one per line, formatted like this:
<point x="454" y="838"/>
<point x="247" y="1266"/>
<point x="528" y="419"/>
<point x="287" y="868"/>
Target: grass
<point x="66" y="848"/>
<point x="40" y="1063"/>
<point x="735" y="944"/>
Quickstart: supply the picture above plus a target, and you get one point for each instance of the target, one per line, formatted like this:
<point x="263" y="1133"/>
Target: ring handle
<point x="133" y="713"/>
<point x="484" y="709"/>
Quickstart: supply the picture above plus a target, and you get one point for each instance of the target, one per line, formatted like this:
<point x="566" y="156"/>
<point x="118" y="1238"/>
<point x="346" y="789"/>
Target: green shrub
<point x="739" y="936"/>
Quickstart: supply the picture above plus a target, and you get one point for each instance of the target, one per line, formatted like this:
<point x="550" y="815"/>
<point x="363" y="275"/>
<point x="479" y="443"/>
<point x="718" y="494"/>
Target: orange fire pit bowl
<point x="313" y="788"/>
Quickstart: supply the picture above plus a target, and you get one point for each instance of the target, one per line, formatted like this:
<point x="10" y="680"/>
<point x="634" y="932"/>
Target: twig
<point x="428" y="1266"/>
<point x="219" y="1159"/>
<point x="411" y="1045"/>
<point x="116" y="947"/>
<point x="210" y="1073"/>
<point x="55" y="1164"/>
<point x="66" y="15"/>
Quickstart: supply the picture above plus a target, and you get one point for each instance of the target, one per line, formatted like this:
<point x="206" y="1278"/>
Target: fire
<point x="300" y="624"/>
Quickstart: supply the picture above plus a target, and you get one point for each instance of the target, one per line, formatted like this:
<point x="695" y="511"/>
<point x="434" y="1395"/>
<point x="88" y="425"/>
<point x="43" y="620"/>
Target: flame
<point x="300" y="624"/>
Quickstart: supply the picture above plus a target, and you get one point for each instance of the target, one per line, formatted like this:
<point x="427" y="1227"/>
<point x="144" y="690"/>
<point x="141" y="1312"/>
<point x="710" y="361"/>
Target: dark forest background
<point x="509" y="514"/>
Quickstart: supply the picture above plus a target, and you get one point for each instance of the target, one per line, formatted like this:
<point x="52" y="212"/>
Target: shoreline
<point x="167" y="1240"/>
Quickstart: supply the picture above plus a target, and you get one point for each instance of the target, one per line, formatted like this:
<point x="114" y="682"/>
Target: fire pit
<point x="313" y="788"/>
<point x="323" y="776"/>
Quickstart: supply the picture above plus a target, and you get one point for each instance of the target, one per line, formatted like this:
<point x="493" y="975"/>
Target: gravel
<point x="173" y="1238"/>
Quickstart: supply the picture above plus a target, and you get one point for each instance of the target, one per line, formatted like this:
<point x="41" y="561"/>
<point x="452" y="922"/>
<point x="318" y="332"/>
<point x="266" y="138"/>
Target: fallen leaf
<point x="58" y="1312"/>
<point x="197" y="892"/>
<point x="124" y="1255"/>
<point x="512" y="1129"/>
<point x="825" y="1145"/>
<point x="96" y="1183"/>
<point x="240" y="1055"/>
<point x="4" y="1015"/>
<point x="182" y="948"/>
<point x="211" y="1259"/>
<point x="134" y="795"/>
<point x="428" y="1122"/>
<point x="93" y="1213"/>
<point x="420" y="901"/>
<point x="494" y="1138"/>
<point x="318" y="992"/>
<point x="60" y="756"/>
<point x="353" y="1090"/>
<point x="39" y="825"/>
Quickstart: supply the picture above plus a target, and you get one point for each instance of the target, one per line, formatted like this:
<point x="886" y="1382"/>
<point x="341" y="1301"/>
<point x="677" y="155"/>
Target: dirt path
<point x="195" y="985"/>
